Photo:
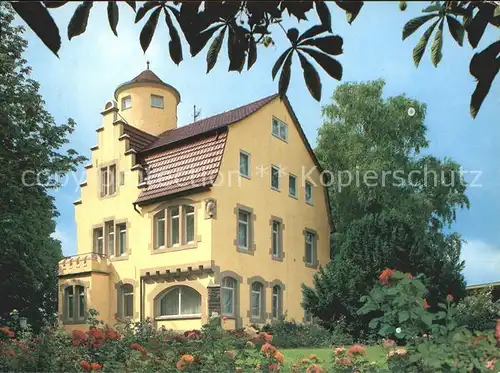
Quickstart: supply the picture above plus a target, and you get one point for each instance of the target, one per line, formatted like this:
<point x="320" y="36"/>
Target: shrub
<point x="290" y="334"/>
<point x="478" y="311"/>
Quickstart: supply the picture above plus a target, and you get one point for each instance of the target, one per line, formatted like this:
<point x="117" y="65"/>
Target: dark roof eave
<point x="181" y="193"/>
<point x="148" y="81"/>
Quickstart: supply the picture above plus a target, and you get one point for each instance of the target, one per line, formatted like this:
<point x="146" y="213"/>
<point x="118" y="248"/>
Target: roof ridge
<point x="216" y="115"/>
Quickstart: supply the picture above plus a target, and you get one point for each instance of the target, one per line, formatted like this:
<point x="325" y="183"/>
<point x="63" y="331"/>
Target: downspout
<point x="141" y="295"/>
<point x="135" y="208"/>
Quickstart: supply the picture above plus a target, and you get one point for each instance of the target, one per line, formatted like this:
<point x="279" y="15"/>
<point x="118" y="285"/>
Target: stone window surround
<point x="118" y="286"/>
<point x="237" y="293"/>
<point x="62" y="290"/>
<point x="107" y="165"/>
<point x="122" y="108"/>
<point x="286" y="125"/>
<point x="251" y="227"/>
<point x="296" y="196"/>
<point x="281" y="235"/>
<point x="263" y="313"/>
<point x="162" y="288"/>
<point x="282" y="287"/>
<point x="166" y="206"/>
<point x="116" y="222"/>
<point x="311" y="202"/>
<point x="315" y="263"/>
<point x="278" y="168"/>
<point x="249" y="176"/>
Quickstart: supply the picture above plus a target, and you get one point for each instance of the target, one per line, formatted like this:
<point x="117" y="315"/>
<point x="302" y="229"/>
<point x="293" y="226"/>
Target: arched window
<point x="126" y="305"/>
<point x="228" y="293"/>
<point x="180" y="301"/>
<point x="277" y="302"/>
<point x="257" y="294"/>
<point x="74" y="303"/>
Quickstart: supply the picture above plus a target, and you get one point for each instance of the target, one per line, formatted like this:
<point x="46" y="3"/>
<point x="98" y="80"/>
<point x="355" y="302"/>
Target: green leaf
<point x="373" y="323"/>
<point x="38" y="18"/>
<point x="311" y="77"/>
<point x="437" y="45"/>
<point x="252" y="52"/>
<point x="198" y="43"/>
<point x="387" y="329"/>
<point x="149" y="29"/>
<point x="174" y="45"/>
<point x="293" y="35"/>
<point x="131" y="4"/>
<point x="214" y="49"/>
<point x="144" y="9"/>
<point x="403" y="316"/>
<point x="329" y="64"/>
<point x="113" y="16"/>
<point x="78" y="23"/>
<point x="414" y="24"/>
<point x="236" y="48"/>
<point x="427" y="318"/>
<point x="279" y="62"/>
<point x="285" y="76"/>
<point x="432" y="8"/>
<point x="351" y="8"/>
<point x="313" y="31"/>
<point x="324" y="15"/>
<point x="54" y="4"/>
<point x="419" y="49"/>
<point x="331" y="44"/>
<point x="456" y="29"/>
<point x="475" y="29"/>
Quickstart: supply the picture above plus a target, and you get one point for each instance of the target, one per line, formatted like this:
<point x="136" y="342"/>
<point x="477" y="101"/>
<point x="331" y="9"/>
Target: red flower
<point x="78" y="337"/>
<point x="386" y="276"/>
<point x="449" y="298"/>
<point x="356" y="350"/>
<point x="95" y="366"/>
<point x="273" y="367"/>
<point x="490" y="364"/>
<point x="85" y="365"/>
<point x="410" y="276"/>
<point x="497" y="332"/>
<point x="268" y="349"/>
<point x="268" y="338"/>
<point x="426" y="305"/>
<point x="113" y="335"/>
<point x="343" y="361"/>
<point x="142" y="350"/>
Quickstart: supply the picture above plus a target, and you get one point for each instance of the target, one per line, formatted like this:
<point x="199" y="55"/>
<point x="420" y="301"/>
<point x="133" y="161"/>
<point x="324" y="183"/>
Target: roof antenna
<point x="196" y="113"/>
<point x="147" y="63"/>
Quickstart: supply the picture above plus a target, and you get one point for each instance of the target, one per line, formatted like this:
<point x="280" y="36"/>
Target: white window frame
<point x="126" y="99"/>
<point x="121" y="228"/>
<point x="171" y="218"/>
<point x="247" y="155"/>
<point x="309" y="240"/>
<point x="125" y="294"/>
<point x="185" y="219"/>
<point x="276" y="302"/>
<point x="110" y="236"/>
<point x="276" y="238"/>
<point x="281" y="125"/>
<point x="247" y="225"/>
<point x="232" y="290"/>
<point x="98" y="240"/>
<point x="292" y="176"/>
<point x="157" y="106"/>
<point x="275" y="168"/>
<point x="310" y="186"/>
<point x="179" y="300"/>
<point x="261" y="289"/>
<point x="159" y="221"/>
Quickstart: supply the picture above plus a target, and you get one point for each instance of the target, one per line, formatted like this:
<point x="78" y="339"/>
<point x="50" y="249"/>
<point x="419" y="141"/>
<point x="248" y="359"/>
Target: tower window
<point x="126" y="102"/>
<point x="157" y="101"/>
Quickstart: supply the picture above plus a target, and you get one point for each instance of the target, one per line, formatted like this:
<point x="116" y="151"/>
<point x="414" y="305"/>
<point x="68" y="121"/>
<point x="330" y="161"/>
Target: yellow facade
<point x="193" y="272"/>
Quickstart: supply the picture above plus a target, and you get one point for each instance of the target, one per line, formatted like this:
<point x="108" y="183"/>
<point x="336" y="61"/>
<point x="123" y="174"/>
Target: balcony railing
<point x="87" y="262"/>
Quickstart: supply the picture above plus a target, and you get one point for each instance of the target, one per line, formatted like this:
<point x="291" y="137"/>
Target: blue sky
<point x="91" y="66"/>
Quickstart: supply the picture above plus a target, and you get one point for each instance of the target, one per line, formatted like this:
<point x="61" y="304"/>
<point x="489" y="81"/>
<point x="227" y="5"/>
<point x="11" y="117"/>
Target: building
<point x="225" y="214"/>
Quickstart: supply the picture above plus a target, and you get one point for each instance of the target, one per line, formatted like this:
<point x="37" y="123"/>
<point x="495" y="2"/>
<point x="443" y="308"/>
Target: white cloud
<point x="68" y="243"/>
<point x="482" y="262"/>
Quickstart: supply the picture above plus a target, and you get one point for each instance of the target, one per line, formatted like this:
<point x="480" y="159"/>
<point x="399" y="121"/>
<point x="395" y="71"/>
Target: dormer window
<point x="126" y="102"/>
<point x="280" y="129"/>
<point x="157" y="101"/>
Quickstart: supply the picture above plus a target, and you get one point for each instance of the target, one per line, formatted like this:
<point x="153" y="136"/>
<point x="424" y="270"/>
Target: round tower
<point x="148" y="103"/>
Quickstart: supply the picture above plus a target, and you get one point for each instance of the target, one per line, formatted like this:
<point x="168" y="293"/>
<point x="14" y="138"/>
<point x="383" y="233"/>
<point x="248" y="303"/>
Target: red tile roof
<point x="138" y="138"/>
<point x="209" y="124"/>
<point x="188" y="166"/>
<point x="147" y="76"/>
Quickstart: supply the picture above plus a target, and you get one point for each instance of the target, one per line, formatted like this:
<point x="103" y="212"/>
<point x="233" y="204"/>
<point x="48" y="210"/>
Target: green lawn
<point x="375" y="353"/>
